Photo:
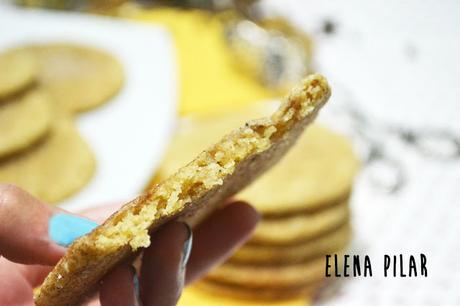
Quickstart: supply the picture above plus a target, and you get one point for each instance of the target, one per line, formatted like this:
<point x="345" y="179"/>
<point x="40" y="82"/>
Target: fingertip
<point x="24" y="228"/>
<point x="167" y="239"/>
<point x="163" y="264"/>
<point x="56" y="252"/>
<point x="247" y="210"/>
<point x="217" y="237"/>
<point x="122" y="281"/>
<point x="242" y="217"/>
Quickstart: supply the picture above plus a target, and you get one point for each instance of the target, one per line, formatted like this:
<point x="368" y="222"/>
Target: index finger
<point x="24" y="228"/>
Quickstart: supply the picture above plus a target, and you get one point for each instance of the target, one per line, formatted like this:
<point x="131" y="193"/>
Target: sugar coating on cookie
<point x="214" y="175"/>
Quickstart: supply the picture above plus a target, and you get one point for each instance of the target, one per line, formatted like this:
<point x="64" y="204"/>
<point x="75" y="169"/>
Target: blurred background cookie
<point x="317" y="173"/>
<point x="53" y="169"/>
<point x="300" y="227"/>
<point x="262" y="296"/>
<point x="270" y="276"/>
<point x="278" y="254"/>
<point x="78" y="78"/>
<point x="212" y="294"/>
<point x="40" y="87"/>
<point x="18" y="69"/>
<point x="24" y="119"/>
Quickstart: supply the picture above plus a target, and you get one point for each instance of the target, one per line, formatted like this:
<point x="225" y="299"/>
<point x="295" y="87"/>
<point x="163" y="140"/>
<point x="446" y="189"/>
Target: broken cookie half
<point x="213" y="176"/>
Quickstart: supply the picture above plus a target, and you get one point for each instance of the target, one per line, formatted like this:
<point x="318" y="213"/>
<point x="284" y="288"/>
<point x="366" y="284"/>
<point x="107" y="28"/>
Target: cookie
<point x="300" y="227"/>
<point x="274" y="276"/>
<point x="78" y="78"/>
<point x="53" y="169"/>
<point x="273" y="255"/>
<point x="24" y="119"/>
<point x="198" y="295"/>
<point x="213" y="176"/>
<point x="251" y="295"/>
<point x="318" y="171"/>
<point x="18" y="69"/>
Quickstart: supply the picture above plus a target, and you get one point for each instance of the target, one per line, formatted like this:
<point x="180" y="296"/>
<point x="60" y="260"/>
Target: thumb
<point x="32" y="232"/>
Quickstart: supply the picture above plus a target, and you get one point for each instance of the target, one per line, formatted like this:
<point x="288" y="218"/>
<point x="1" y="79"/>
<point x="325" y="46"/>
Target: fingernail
<point x="187" y="247"/>
<point x="137" y="292"/>
<point x="64" y="229"/>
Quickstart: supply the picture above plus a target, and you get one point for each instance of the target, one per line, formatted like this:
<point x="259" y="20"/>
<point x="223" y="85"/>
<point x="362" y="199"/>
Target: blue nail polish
<point x="64" y="229"/>
<point x="187" y="248"/>
<point x="137" y="291"/>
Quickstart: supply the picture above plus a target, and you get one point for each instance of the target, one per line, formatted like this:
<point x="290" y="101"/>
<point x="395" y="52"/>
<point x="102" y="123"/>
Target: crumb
<point x="329" y="27"/>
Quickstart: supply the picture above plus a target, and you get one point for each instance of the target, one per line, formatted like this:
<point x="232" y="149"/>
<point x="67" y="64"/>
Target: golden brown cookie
<point x="24" y="119"/>
<point x="273" y="255"/>
<point x="18" y="69"/>
<point x="53" y="169"/>
<point x="213" y="176"/>
<point x="274" y="276"/>
<point x="320" y="170"/>
<point x="317" y="172"/>
<point x="251" y="295"/>
<point x="78" y="78"/>
<point x="193" y="296"/>
<point x="300" y="227"/>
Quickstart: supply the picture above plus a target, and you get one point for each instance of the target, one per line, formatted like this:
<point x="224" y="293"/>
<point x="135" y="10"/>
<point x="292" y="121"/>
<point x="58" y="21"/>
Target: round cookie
<point x="24" y="119"/>
<point x="198" y="295"/>
<point x="55" y="168"/>
<point x="301" y="227"/>
<point x="78" y="78"/>
<point x="269" y="255"/>
<point x="278" y="276"/>
<point x="318" y="171"/>
<point x="260" y="294"/>
<point x="18" y="69"/>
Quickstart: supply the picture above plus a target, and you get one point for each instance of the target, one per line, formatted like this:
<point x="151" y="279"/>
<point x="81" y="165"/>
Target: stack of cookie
<point x="41" y="89"/>
<point x="303" y="201"/>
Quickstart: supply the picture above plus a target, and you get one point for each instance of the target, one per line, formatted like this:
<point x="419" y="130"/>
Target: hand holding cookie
<point x="34" y="236"/>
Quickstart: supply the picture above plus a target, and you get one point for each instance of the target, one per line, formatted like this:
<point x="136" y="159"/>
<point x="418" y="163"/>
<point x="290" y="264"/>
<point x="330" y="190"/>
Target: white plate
<point x="129" y="133"/>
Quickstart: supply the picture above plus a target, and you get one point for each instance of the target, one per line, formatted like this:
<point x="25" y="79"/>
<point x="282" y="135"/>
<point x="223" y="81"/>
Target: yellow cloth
<point x="194" y="297"/>
<point x="209" y="77"/>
